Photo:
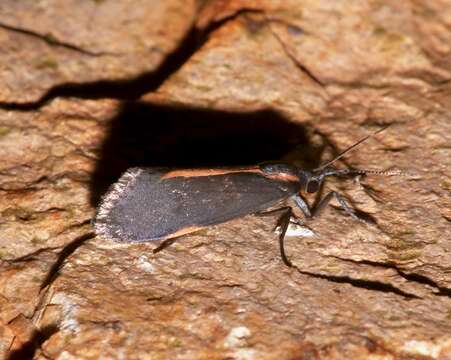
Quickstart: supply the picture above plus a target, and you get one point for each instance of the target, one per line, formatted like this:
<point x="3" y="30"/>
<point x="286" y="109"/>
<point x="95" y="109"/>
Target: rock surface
<point x="91" y="88"/>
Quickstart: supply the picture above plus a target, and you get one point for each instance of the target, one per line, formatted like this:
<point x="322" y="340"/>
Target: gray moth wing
<point x="155" y="203"/>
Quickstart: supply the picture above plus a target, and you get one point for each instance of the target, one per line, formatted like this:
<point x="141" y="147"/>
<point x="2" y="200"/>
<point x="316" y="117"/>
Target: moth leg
<point x="302" y="204"/>
<point x="341" y="200"/>
<point x="283" y="222"/>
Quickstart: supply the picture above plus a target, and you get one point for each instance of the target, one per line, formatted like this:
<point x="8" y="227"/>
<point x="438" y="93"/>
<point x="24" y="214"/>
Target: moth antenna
<point x="385" y="172"/>
<point x="394" y="172"/>
<point x="352" y="147"/>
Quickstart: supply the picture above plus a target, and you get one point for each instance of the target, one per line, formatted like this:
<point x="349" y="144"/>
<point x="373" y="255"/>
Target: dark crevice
<point x="29" y="348"/>
<point x="421" y="279"/>
<point x="360" y="283"/>
<point x="418" y="278"/>
<point x="298" y="64"/>
<point x="51" y="40"/>
<point x="68" y="250"/>
<point x="129" y="89"/>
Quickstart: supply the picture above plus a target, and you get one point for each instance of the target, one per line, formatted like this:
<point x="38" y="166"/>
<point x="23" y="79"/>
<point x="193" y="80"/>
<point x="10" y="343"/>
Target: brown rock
<point x="46" y="45"/>
<point x="249" y="83"/>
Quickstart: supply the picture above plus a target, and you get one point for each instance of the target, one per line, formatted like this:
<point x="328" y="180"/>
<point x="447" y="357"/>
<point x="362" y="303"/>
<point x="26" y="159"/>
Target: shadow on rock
<point x="153" y="135"/>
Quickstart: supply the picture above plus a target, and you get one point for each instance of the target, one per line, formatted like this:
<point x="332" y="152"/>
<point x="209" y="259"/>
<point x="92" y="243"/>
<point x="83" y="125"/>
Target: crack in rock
<point x="39" y="336"/>
<point x="130" y="89"/>
<point x="298" y="64"/>
<point x="68" y="250"/>
<point x="52" y="41"/>
<point x="417" y="278"/>
<point x="29" y="348"/>
<point x="361" y="283"/>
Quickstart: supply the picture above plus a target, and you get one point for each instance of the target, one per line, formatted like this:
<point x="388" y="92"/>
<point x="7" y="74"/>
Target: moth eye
<point x="312" y="186"/>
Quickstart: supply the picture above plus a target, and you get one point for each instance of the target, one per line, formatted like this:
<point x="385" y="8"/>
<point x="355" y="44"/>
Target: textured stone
<point x="49" y="43"/>
<point x="253" y="81"/>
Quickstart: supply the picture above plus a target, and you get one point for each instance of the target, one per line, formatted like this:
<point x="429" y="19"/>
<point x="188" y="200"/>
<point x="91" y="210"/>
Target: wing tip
<point x="102" y="225"/>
